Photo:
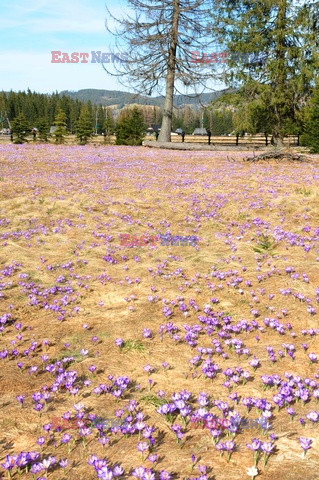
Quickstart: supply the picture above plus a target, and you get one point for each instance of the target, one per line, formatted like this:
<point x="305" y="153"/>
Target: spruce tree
<point x="60" y="123"/>
<point x="282" y="32"/>
<point x="311" y="135"/>
<point x="20" y="128"/>
<point x="100" y="120"/>
<point x="109" y="124"/>
<point x="43" y="129"/>
<point x="130" y="127"/>
<point x="84" y="128"/>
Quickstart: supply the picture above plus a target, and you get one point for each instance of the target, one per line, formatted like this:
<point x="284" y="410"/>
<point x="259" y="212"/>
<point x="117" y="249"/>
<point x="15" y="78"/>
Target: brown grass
<point x="78" y="193"/>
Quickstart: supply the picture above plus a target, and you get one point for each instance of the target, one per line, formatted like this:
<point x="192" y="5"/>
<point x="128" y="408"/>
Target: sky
<point x="31" y="30"/>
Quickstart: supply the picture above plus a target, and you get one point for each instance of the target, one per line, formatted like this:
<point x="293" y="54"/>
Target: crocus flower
<point x="229" y="447"/>
<point x="20" y="399"/>
<point x="142" y="447"/>
<point x="255" y="446"/>
<point x="147" y="333"/>
<point x="103" y="440"/>
<point x="165" y="475"/>
<point x="312" y="357"/>
<point x="313" y="416"/>
<point x="40" y="441"/>
<point x="267" y="448"/>
<point x="9" y="463"/>
<point x="305" y="444"/>
<point x="252" y="472"/>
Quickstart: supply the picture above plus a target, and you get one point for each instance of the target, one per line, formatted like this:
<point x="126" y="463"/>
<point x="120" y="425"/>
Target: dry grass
<point x="69" y="204"/>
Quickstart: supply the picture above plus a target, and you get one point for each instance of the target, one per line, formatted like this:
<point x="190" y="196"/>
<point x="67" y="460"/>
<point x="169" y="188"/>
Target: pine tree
<point x="189" y="120"/>
<point x="91" y="113"/>
<point x="43" y="128"/>
<point x="109" y="124"/>
<point x="60" y="123"/>
<point x="100" y="120"/>
<point x="218" y="121"/>
<point x="19" y="128"/>
<point x="84" y="128"/>
<point x="75" y="114"/>
<point x="311" y="135"/>
<point x="130" y="127"/>
<point x="260" y="114"/>
<point x="281" y="30"/>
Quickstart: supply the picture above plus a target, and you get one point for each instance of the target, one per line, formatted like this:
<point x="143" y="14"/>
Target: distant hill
<point x="120" y="99"/>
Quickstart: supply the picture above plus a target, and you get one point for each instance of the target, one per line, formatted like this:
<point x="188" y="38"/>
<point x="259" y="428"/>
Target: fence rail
<point x="256" y="140"/>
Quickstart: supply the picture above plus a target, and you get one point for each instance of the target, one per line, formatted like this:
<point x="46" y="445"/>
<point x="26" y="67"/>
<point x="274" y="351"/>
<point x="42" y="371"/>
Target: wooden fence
<point x="247" y="140"/>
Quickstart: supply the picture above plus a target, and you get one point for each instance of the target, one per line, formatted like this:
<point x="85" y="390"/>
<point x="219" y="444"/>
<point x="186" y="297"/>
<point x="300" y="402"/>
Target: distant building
<point x="200" y="131"/>
<point x="153" y="128"/>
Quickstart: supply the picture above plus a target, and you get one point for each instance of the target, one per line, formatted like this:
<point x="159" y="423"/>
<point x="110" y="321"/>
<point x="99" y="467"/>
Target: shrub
<point x="130" y="127"/>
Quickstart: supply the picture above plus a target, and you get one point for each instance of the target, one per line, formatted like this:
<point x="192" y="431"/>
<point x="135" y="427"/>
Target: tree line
<point x="236" y="112"/>
<point x="24" y="112"/>
<point x="32" y="112"/>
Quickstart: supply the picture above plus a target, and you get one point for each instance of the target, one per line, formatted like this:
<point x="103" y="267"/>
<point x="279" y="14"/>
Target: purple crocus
<point x="305" y="444"/>
<point x="20" y="399"/>
<point x="142" y="447"/>
<point x="255" y="446"/>
<point x="312" y="357"/>
<point x="267" y="448"/>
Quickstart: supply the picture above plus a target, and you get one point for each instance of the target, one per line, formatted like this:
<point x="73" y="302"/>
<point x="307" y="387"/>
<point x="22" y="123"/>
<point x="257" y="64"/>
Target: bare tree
<point x="159" y="36"/>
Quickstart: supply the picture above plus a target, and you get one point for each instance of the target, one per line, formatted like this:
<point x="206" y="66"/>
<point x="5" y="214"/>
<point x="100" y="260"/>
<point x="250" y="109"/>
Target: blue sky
<point x="30" y="30"/>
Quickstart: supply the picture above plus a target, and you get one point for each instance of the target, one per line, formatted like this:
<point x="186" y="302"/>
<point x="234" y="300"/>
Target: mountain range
<point x="119" y="99"/>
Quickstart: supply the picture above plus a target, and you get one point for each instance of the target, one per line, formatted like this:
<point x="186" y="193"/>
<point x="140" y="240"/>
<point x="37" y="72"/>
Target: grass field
<point x="152" y="338"/>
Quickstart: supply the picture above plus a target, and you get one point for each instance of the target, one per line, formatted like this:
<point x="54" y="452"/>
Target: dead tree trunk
<point x="275" y="155"/>
<point x="166" y="128"/>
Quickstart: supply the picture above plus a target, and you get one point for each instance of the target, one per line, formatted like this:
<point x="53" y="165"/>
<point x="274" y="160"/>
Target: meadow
<point x="157" y="362"/>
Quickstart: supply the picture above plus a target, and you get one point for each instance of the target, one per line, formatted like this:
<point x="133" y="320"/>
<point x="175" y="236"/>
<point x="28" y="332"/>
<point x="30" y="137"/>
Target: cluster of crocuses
<point x="257" y="447"/>
<point x="117" y="387"/>
<point x="106" y="471"/>
<point x="30" y="462"/>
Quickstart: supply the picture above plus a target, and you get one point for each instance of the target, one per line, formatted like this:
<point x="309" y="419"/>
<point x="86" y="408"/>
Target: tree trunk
<point x="278" y="140"/>
<point x="166" y="128"/>
<point x="266" y="136"/>
<point x="280" y="77"/>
